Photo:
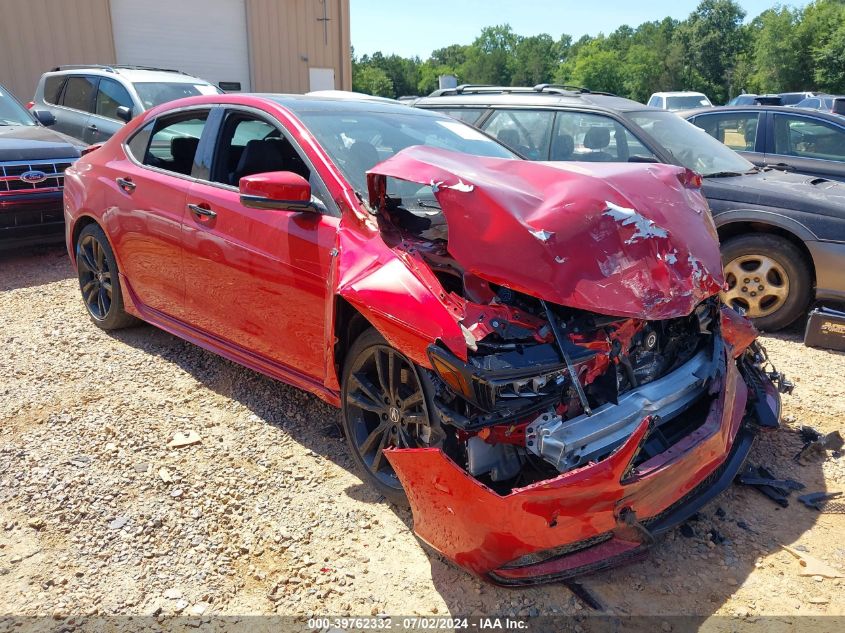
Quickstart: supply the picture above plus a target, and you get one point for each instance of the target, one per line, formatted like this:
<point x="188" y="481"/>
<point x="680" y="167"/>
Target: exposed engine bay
<point x="548" y="388"/>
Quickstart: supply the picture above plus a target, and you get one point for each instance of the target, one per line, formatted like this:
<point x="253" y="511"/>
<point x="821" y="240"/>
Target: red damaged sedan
<point x="533" y="356"/>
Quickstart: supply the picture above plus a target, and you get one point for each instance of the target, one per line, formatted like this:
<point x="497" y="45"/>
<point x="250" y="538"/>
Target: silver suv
<point x="91" y="103"/>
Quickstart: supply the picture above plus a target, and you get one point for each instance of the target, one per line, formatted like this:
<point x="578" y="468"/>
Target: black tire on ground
<point x="98" y="280"/>
<point x="788" y="271"/>
<point x="381" y="407"/>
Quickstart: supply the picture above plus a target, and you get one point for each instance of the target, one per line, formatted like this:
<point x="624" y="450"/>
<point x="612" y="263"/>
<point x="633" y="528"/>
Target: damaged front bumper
<point x="596" y="516"/>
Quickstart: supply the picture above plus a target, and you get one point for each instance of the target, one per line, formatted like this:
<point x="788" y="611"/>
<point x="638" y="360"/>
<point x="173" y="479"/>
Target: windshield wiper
<point x="723" y="174"/>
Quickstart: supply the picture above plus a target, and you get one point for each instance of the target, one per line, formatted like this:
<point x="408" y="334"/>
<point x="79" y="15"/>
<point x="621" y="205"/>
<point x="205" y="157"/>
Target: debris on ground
<point x="817" y="444"/>
<point x="819" y="500"/>
<point x="762" y="479"/>
<point x="584" y="595"/>
<point x="813" y="566"/>
<point x="165" y="475"/>
<point x="182" y="439"/>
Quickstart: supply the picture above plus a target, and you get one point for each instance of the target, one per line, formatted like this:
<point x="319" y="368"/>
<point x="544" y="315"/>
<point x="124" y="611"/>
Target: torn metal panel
<point x="488" y="533"/>
<point x="610" y="238"/>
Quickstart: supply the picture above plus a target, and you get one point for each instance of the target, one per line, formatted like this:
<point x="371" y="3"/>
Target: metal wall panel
<point x="37" y="35"/>
<point x="288" y="37"/>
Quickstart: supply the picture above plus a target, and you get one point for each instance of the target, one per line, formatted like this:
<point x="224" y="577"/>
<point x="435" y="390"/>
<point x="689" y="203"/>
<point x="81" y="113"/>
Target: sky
<point x="417" y="27"/>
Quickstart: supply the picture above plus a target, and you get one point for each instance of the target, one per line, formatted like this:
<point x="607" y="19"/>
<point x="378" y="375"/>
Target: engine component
<point x="567" y="444"/>
<point x="501" y="461"/>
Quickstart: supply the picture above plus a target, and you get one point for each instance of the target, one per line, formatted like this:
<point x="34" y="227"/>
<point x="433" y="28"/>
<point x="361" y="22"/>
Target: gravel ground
<point x="264" y="514"/>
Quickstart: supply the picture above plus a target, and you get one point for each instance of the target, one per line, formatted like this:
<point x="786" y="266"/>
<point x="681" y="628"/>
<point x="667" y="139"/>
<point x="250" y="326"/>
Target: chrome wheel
<point x="757" y="284"/>
<point x="95" y="277"/>
<point x="385" y="407"/>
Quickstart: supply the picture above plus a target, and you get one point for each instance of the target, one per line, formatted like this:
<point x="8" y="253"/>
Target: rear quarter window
<point x="53" y="88"/>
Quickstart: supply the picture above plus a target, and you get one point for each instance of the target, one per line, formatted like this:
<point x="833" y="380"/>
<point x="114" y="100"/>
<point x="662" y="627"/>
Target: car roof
<point x="131" y="73"/>
<point x="531" y="98"/>
<point x="337" y="103"/>
<point x="758" y="108"/>
<point x="679" y="93"/>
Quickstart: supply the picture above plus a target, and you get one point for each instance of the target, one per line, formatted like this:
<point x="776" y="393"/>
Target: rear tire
<point x="768" y="277"/>
<point x="98" y="280"/>
<point x="384" y="405"/>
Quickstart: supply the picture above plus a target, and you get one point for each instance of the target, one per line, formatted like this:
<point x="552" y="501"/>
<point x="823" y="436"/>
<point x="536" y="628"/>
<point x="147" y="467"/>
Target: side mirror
<point x="45" y="117"/>
<point x="283" y="190"/>
<point x="124" y="113"/>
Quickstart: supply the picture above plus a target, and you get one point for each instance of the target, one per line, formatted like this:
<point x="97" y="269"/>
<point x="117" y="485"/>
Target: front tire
<point x="768" y="277"/>
<point x="98" y="280"/>
<point x="384" y="405"/>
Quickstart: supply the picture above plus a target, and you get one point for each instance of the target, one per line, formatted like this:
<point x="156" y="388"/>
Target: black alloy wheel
<point x="384" y="406"/>
<point x="95" y="277"/>
<point x="98" y="280"/>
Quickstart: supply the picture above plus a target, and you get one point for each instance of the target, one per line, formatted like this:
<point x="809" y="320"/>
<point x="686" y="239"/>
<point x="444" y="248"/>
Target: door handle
<point x="202" y="211"/>
<point x="93" y="127"/>
<point x="126" y="184"/>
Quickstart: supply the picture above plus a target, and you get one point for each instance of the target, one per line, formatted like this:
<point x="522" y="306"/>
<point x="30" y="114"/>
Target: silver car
<point x="91" y="103"/>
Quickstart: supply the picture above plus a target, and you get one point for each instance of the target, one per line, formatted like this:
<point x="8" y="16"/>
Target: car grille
<point x="11" y="172"/>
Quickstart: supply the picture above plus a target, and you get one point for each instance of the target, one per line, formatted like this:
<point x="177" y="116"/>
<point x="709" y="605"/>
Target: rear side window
<point x="525" y="131"/>
<point x="53" y="88"/>
<point x="139" y="143"/>
<point x="79" y="93"/>
<point x="737" y="130"/>
<point x="174" y="141"/>
<point x="110" y="96"/>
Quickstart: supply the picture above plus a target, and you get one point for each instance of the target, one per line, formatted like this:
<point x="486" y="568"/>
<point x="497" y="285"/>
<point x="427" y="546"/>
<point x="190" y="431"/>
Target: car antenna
<point x="569" y="366"/>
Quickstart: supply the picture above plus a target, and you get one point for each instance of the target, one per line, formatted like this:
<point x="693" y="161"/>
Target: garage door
<point x="206" y="38"/>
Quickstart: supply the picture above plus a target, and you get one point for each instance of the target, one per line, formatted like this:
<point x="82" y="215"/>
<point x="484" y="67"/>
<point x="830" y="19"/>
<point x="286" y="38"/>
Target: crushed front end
<point x="601" y="394"/>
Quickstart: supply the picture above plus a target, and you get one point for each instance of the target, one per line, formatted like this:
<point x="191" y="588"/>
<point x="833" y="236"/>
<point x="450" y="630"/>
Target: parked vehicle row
<point x="532" y="356"/>
<point x="33" y="159"/>
<point x="781" y="233"/>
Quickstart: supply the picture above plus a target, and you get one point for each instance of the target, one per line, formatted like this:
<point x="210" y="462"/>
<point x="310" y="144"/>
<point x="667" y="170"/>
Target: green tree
<point x="372" y="81"/>
<point x="488" y="59"/>
<point x="776" y="54"/>
<point x="713" y="39"/>
<point x="534" y="60"/>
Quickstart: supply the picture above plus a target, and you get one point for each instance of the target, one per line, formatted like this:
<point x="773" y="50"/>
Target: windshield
<point x="156" y="92"/>
<point x="358" y="140"/>
<point x="691" y="147"/>
<point x="12" y="112"/>
<point x="686" y="102"/>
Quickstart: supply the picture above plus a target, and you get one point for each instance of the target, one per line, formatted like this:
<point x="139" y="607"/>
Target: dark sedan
<point x="801" y="141"/>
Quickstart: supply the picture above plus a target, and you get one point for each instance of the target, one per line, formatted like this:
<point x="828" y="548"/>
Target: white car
<point x="683" y="100"/>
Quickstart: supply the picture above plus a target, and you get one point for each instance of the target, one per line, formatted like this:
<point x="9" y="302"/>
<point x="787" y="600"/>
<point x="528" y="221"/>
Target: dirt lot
<point x="265" y="515"/>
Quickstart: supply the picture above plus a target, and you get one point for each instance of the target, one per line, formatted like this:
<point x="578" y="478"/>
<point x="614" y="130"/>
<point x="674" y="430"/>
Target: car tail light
<point x="91" y="148"/>
<point x="30" y="105"/>
<point x="690" y="178"/>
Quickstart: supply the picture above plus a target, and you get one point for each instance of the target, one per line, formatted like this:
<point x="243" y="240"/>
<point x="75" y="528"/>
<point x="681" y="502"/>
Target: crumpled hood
<point x="773" y="188"/>
<point x="613" y="238"/>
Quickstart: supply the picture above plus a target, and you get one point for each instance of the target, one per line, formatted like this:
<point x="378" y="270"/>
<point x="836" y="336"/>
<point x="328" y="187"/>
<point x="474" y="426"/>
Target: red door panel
<point x="258" y="278"/>
<point x="145" y="225"/>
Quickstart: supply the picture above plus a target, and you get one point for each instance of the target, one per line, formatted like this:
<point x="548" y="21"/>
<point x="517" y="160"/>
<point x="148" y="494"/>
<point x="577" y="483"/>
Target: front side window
<point x="595" y="138"/>
<point x="808" y="138"/>
<point x="527" y="132"/>
<point x="249" y="145"/>
<point x="111" y="96"/>
<point x="737" y="130"/>
<point x="79" y="93"/>
<point x="169" y="142"/>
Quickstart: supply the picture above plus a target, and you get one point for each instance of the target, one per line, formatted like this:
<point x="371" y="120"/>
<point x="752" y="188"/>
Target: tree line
<point x="712" y="51"/>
